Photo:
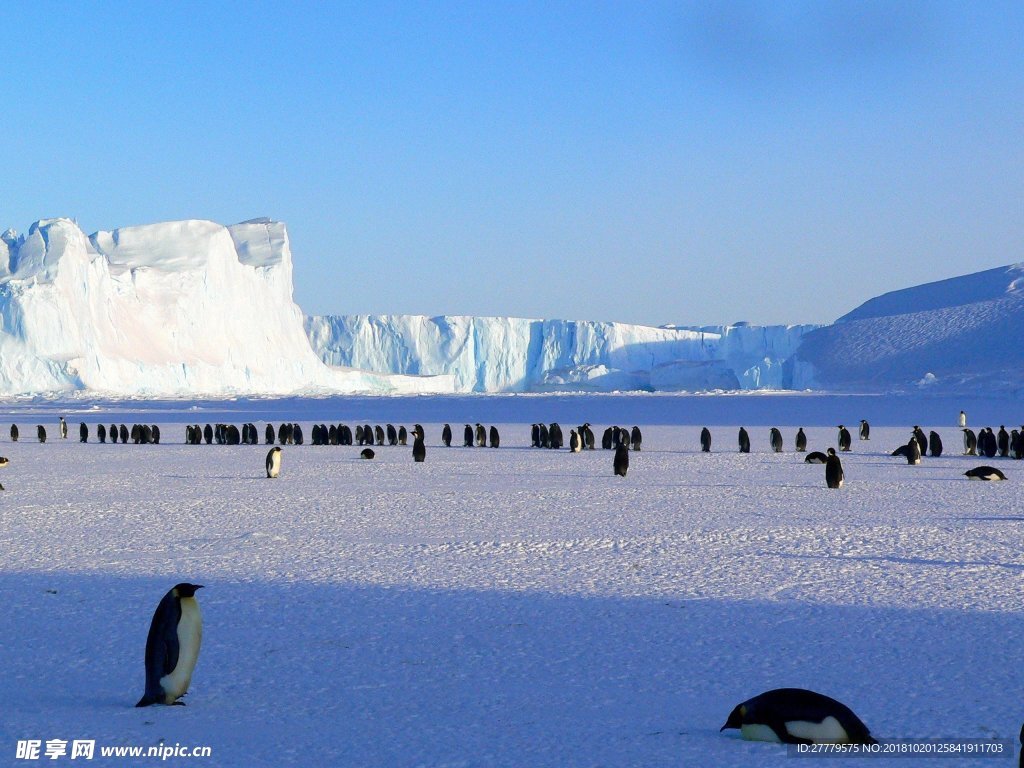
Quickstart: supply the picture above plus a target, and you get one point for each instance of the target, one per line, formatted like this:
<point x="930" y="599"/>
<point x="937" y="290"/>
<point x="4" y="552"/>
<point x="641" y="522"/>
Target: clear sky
<point x="688" y="162"/>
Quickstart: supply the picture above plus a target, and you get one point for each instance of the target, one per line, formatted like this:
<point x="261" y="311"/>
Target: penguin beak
<point x="199" y="586"/>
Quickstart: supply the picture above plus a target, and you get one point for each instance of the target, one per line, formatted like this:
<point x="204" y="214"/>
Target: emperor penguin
<point x="172" y="646"/>
<point x="845" y="441"/>
<point x="833" y="470"/>
<point x="3" y="463"/>
<point x="274" y="461"/>
<point x="798" y="716"/>
<point x="575" y="444"/>
<point x="366" y="453"/>
<point x="913" y="451"/>
<point x="419" y="450"/>
<point x="41" y="433"/>
<point x="775" y="438"/>
<point x="607" y="438"/>
<point x="963" y="420"/>
<point x="14" y="433"/>
<point x="63" y="428"/>
<point x="865" y="430"/>
<point x="621" y="461"/>
<point x="392" y="434"/>
<point x="542" y="431"/>
<point x="934" y="443"/>
<point x="83" y="433"/>
<point x="481" y="436"/>
<point x="588" y="437"/>
<point x="268" y="435"/>
<point x="446" y="435"/>
<point x="101" y="433"/>
<point x="1003" y="441"/>
<point x="744" y="440"/>
<point x="636" y="438"/>
<point x="705" y="440"/>
<point x="801" y="440"/>
<point x="815" y="457"/>
<point x="467" y="437"/>
<point x="922" y="439"/>
<point x="970" y="443"/>
<point x="984" y="473"/>
<point x="378" y="433"/>
<point x="534" y="435"/>
<point x="403" y="435"/>
<point x="494" y="437"/>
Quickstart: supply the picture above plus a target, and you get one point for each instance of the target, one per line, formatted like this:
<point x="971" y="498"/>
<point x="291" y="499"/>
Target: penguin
<point x="481" y="436"/>
<point x="268" y="435"/>
<point x="83" y="433"/>
<point x="606" y="439"/>
<point x="865" y="430"/>
<point x="208" y="434"/>
<point x="984" y="473"/>
<point x="934" y="443"/>
<point x="274" y="462"/>
<point x="744" y="441"/>
<point x="963" y="420"/>
<point x="135" y="434"/>
<point x="446" y="435"/>
<point x="316" y="437"/>
<point x="544" y="436"/>
<point x="359" y="434"/>
<point x="833" y="470"/>
<point x="575" y="444"/>
<point x="621" y="461"/>
<point x="63" y="428"/>
<point x="534" y="435"/>
<point x="705" y="440"/>
<point x="124" y="434"/>
<point x="914" y="452"/>
<point x="172" y="646"/>
<point x="232" y="435"/>
<point x="1003" y="441"/>
<point x="990" y="446"/>
<point x="419" y="450"/>
<point x="403" y="436"/>
<point x="282" y="434"/>
<point x="636" y="438"/>
<point x="903" y="450"/>
<point x="146" y="434"/>
<point x="378" y="433"/>
<point x="392" y="434"/>
<point x="494" y="437"/>
<point x="4" y="461"/>
<point x="1016" y="445"/>
<point x="367" y="434"/>
<point x="41" y="433"/>
<point x="775" y="438"/>
<point x="367" y="453"/>
<point x="467" y="437"/>
<point x="588" y="437"/>
<point x="297" y="434"/>
<point x="845" y="441"/>
<point x="555" y="436"/>
<point x="345" y="436"/>
<point x="801" y="440"/>
<point x="921" y="438"/>
<point x="156" y="434"/>
<point x="14" y="433"/>
<point x="101" y="433"/>
<point x="970" y="443"/>
<point x="798" y="716"/>
<point x="113" y="433"/>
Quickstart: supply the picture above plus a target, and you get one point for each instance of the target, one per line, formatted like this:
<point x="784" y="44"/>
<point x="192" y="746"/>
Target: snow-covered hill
<point x="180" y="308"/>
<point x="962" y="334"/>
<point x="502" y="354"/>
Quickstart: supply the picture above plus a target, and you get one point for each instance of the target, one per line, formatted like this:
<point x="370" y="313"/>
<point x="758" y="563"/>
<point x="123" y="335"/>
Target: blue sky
<point x="690" y="162"/>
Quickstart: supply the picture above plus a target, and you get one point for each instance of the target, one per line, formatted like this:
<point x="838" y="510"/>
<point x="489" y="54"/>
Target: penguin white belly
<point x="190" y="635"/>
<point x="828" y="731"/>
<point x="758" y="732"/>
<point x="275" y="465"/>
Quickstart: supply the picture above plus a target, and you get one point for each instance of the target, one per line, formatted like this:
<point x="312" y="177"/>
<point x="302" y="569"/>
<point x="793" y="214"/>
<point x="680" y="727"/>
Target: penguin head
<point x="186" y="590"/>
<point x="831" y="451"/>
<point x="736" y="717"/>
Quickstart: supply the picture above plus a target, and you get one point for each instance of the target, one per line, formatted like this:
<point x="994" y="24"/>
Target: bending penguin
<point x="833" y="470"/>
<point x="274" y="462"/>
<point x="984" y="473"/>
<point x="172" y="647"/>
<point x="798" y="716"/>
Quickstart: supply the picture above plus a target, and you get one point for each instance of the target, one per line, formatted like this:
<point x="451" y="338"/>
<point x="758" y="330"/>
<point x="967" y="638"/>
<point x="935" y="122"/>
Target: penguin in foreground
<point x="621" y="461"/>
<point x="798" y="716"/>
<point x="419" y="450"/>
<point x="172" y="646"/>
<point x="801" y="440"/>
<point x="705" y="440"/>
<point x="367" y="453"/>
<point x="83" y="433"/>
<point x="984" y="473"/>
<point x="274" y="462"/>
<point x="833" y="470"/>
<point x="914" y="451"/>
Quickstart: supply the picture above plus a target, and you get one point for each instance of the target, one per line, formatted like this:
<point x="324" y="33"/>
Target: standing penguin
<point x="101" y="433"/>
<point x="913" y="452"/>
<point x="845" y="441"/>
<point x="41" y="433"/>
<point x="970" y="443"/>
<point x="621" y="461"/>
<point x="934" y="443"/>
<point x="268" y="435"/>
<point x="705" y="440"/>
<point x="575" y="444"/>
<point x="922" y="439"/>
<point x="274" y="461"/>
<point x="481" y="436"/>
<point x="446" y="435"/>
<point x="467" y="437"/>
<point x="801" y="440"/>
<point x="1003" y="441"/>
<point x="172" y="647"/>
<point x="865" y="430"/>
<point x="495" y="438"/>
<point x="798" y="716"/>
<point x="775" y="438"/>
<point x="988" y="445"/>
<point x="833" y="470"/>
<point x="419" y="450"/>
<point x="636" y="438"/>
<point x="392" y="434"/>
<point x="744" y="441"/>
<point x="963" y="420"/>
<point x="403" y="435"/>
<point x="63" y="428"/>
<point x="83" y="433"/>
<point x="14" y="433"/>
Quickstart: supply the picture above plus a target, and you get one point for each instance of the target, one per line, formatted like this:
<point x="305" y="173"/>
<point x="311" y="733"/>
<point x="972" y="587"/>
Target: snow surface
<point x="510" y="607"/>
<point x="174" y="309"/>
<point x="508" y="354"/>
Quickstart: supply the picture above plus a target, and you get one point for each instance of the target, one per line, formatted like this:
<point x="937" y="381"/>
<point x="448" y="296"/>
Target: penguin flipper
<point x="161" y="648"/>
<point x="784" y="735"/>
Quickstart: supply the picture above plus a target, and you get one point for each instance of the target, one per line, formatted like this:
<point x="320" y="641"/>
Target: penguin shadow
<point x="897" y="560"/>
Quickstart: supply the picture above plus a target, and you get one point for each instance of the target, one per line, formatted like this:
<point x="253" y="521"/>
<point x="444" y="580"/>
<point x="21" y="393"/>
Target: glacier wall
<point x="172" y="309"/>
<point x="501" y="354"/>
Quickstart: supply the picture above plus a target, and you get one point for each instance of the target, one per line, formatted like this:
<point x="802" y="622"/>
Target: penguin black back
<point x="419" y="450"/>
<point x="705" y="440"/>
<point x="165" y="682"/>
<point x="934" y="443"/>
<point x="494" y="437"/>
<point x="775" y="439"/>
<point x="620" y="464"/>
<point x="744" y="441"/>
<point x="446" y="435"/>
<point x="798" y="716"/>
<point x="833" y="470"/>
<point x="801" y="440"/>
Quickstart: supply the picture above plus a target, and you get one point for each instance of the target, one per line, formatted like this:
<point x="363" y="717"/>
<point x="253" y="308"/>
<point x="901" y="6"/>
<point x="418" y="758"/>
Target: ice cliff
<point x="502" y="354"/>
<point x="172" y="309"/>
